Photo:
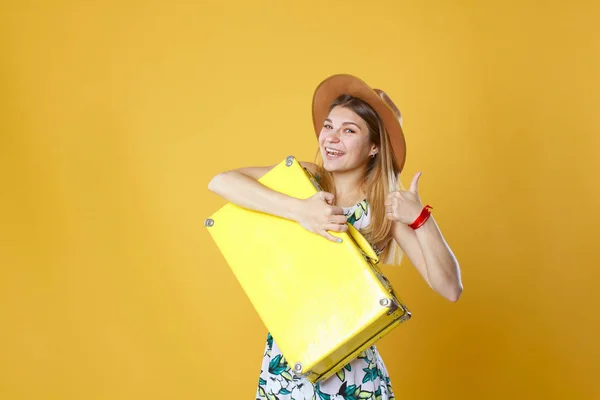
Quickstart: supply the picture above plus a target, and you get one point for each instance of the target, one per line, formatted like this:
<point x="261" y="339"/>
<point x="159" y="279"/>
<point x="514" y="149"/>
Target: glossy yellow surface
<point x="319" y="299"/>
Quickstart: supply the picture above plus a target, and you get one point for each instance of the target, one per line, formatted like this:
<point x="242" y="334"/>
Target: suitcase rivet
<point x="289" y="161"/>
<point x="385" y="302"/>
<point x="209" y="222"/>
<point x="298" y="368"/>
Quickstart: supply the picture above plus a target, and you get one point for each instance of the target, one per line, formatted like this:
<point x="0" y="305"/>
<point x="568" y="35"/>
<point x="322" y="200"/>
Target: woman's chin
<point x="337" y="166"/>
<point x="332" y="166"/>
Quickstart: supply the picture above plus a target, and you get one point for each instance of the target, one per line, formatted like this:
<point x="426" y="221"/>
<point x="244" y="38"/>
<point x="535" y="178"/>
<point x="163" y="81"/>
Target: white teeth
<point x="333" y="152"/>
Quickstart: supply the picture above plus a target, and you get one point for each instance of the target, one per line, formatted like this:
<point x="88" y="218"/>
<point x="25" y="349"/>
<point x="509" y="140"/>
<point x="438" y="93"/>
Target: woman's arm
<point x="425" y="246"/>
<point x="317" y="213"/>
<point x="427" y="250"/>
<point x="241" y="187"/>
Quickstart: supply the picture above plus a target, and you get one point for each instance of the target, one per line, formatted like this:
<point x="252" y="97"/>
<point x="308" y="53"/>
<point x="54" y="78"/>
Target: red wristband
<point x="424" y="216"/>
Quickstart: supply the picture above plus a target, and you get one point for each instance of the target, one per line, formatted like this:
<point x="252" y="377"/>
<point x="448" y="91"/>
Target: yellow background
<point x="115" y="115"/>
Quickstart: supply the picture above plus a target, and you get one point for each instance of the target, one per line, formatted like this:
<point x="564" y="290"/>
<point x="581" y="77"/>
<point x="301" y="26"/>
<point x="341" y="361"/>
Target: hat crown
<point x="384" y="96"/>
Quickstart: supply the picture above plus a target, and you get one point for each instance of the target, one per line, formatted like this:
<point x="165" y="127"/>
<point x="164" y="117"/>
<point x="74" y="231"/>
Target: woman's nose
<point x="333" y="137"/>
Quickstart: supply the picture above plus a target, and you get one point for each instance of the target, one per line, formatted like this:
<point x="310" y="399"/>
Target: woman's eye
<point x="348" y="130"/>
<point x="327" y="126"/>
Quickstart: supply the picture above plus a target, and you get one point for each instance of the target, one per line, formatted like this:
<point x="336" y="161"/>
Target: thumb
<point x="414" y="185"/>
<point x="328" y="197"/>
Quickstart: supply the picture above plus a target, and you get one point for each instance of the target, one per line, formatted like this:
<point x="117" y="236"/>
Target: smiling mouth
<point x="333" y="154"/>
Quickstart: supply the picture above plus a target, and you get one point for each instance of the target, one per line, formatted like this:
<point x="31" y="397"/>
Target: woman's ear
<point x="374" y="151"/>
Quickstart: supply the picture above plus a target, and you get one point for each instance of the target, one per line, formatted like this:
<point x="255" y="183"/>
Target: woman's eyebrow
<point x="351" y="123"/>
<point x="343" y="123"/>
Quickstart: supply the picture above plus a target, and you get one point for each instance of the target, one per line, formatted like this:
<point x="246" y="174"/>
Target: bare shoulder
<point x="311" y="167"/>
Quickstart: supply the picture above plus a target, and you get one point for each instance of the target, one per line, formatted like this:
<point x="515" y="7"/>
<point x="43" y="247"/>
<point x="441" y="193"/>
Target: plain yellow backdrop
<point x="115" y="115"/>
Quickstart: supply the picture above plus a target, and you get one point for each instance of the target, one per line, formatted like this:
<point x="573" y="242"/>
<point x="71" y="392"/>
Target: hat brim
<point x="336" y="85"/>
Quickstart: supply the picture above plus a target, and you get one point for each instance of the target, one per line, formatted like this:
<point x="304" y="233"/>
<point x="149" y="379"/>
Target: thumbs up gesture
<point x="404" y="205"/>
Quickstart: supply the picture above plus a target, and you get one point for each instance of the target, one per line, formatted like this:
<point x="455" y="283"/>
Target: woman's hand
<point x="317" y="214"/>
<point x="404" y="205"/>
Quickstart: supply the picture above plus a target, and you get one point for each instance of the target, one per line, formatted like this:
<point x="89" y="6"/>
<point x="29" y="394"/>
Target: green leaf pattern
<point x="364" y="378"/>
<point x="355" y="213"/>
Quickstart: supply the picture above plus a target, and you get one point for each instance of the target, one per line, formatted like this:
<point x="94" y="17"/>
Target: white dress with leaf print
<point x="365" y="377"/>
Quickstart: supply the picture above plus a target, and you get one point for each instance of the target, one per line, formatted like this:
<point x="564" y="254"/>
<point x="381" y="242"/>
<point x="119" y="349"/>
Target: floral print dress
<point x="365" y="377"/>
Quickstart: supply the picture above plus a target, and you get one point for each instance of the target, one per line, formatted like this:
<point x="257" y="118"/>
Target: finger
<point x="337" y="210"/>
<point x="337" y="219"/>
<point x="414" y="185"/>
<point x="327" y="197"/>
<point x="333" y="211"/>
<point x="394" y="203"/>
<point x="336" y="227"/>
<point x="329" y="236"/>
<point x="391" y="215"/>
<point x="398" y="194"/>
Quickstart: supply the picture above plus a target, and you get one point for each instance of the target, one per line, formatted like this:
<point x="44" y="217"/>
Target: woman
<point x="361" y="154"/>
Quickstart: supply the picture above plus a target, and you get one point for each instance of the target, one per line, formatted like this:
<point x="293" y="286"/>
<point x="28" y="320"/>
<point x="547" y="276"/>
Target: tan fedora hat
<point x="336" y="85"/>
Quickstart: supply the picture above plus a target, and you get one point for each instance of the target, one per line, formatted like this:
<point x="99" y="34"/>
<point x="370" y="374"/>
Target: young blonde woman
<point x="361" y="155"/>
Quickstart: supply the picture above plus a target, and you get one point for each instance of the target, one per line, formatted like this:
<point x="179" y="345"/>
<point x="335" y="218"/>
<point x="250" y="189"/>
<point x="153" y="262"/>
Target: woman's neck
<point x="349" y="188"/>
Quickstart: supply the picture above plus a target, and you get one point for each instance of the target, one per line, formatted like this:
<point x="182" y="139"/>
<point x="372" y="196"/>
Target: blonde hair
<point x="382" y="176"/>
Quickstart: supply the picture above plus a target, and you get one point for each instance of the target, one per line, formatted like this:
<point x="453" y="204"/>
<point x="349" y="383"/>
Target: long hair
<point x="381" y="177"/>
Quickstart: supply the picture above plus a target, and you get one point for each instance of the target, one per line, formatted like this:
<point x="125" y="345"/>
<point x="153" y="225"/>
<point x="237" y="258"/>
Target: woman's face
<point x="344" y="141"/>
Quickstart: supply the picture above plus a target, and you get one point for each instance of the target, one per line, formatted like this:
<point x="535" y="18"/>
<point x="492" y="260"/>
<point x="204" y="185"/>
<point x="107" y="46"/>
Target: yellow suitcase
<point x="323" y="302"/>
